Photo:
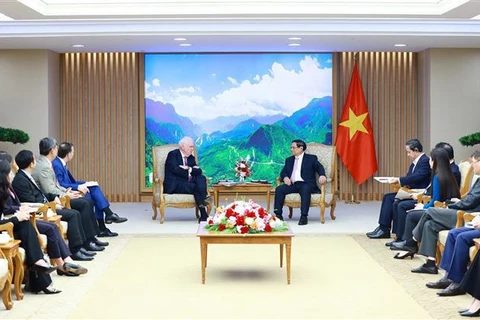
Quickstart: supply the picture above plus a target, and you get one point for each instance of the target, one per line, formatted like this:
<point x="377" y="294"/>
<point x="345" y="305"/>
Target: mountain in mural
<point x="269" y="119"/>
<point x="222" y="124"/>
<point x="313" y="123"/>
<point x="164" y="114"/>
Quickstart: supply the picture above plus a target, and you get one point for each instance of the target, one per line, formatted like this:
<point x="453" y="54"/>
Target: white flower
<point x="249" y="221"/>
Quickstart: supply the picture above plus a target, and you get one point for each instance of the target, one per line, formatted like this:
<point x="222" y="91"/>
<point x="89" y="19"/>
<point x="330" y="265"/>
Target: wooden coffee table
<point x="242" y="189"/>
<point x="283" y="238"/>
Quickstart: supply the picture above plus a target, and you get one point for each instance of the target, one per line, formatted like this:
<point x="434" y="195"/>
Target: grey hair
<point x="184" y="140"/>
<point x="46" y="144"/>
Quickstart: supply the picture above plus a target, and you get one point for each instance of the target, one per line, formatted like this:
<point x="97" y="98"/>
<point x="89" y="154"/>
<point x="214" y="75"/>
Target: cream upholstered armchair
<point x="327" y="198"/>
<point x="161" y="199"/>
<point x="5" y="282"/>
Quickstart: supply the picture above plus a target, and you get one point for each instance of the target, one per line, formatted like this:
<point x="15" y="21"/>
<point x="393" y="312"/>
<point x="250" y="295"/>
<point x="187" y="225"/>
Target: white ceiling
<point x="238" y="25"/>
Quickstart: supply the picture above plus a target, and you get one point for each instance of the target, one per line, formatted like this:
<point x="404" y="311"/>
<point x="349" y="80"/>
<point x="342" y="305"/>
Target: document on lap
<point x="383" y="179"/>
<point x="91" y="184"/>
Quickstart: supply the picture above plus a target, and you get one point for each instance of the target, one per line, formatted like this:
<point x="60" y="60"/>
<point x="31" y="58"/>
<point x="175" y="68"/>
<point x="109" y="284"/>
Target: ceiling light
<point x="184" y="44"/>
<point x="179" y="39"/>
<point x="399" y="45"/>
<point x="78" y="46"/>
<point x="294" y="44"/>
<point x="295" y="38"/>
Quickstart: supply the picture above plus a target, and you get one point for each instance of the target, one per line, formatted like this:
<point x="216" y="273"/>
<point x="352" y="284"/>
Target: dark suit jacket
<point x="471" y="202"/>
<point x="456" y="172"/>
<point x="11" y="206"/>
<point x="310" y="166"/>
<point x="27" y="191"/>
<point x="174" y="174"/>
<point x="420" y="177"/>
<point x="64" y="177"/>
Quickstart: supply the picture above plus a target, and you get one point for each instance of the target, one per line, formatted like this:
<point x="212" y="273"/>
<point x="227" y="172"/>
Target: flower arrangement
<point x="242" y="169"/>
<point x="244" y="217"/>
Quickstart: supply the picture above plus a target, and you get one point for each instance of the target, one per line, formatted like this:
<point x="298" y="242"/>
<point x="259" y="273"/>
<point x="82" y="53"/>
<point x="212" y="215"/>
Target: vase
<point x="241" y="179"/>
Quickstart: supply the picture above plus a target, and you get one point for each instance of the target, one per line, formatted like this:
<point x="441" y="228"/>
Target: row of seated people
<point x="35" y="184"/>
<point x="422" y="224"/>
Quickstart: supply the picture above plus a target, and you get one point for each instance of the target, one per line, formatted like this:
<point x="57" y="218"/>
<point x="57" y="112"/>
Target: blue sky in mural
<point x="207" y="86"/>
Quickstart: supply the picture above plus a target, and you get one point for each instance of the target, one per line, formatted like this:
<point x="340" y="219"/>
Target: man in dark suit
<point x="183" y="175"/>
<point x="80" y="239"/>
<point x="417" y="177"/>
<point x="90" y="189"/>
<point x="298" y="176"/>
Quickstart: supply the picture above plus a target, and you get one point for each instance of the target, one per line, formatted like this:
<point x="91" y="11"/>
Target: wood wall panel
<point x="100" y="116"/>
<point x="389" y="82"/>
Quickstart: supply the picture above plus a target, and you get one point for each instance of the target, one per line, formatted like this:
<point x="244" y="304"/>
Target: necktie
<point x="184" y="161"/>
<point x="45" y="200"/>
<point x="295" y="165"/>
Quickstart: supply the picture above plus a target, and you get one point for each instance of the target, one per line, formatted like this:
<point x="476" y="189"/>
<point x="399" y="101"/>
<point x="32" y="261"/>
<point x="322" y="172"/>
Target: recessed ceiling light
<point x="399" y="45"/>
<point x="295" y="38"/>
<point x="184" y="44"/>
<point x="179" y="39"/>
<point x="294" y="44"/>
<point x="78" y="46"/>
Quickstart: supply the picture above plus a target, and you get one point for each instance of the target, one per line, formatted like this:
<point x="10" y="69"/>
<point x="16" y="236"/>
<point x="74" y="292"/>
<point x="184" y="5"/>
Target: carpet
<point x="333" y="277"/>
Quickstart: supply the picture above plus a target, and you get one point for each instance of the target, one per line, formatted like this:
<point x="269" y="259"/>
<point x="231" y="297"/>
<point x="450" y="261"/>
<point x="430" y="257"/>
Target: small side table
<point x="10" y="250"/>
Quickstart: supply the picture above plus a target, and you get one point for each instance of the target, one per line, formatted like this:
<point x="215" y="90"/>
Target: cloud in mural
<point x="156" y="82"/>
<point x="278" y="90"/>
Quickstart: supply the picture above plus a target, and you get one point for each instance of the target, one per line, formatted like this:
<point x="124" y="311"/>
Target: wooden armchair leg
<point x="290" y="212"/>
<point x="7" y="294"/>
<point x="332" y="211"/>
<point x="162" y="213"/>
<point x="154" y="207"/>
<point x="322" y="214"/>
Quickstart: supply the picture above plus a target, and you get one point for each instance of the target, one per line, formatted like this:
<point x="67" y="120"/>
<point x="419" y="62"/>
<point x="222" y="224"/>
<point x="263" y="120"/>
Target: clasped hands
<point x="321" y="180"/>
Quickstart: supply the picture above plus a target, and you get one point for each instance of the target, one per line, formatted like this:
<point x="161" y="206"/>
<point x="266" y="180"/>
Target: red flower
<point x="221" y="227"/>
<point x="244" y="229"/>
<point x="240" y="220"/>
<point x="210" y="222"/>
<point x="268" y="228"/>
<point x="230" y="213"/>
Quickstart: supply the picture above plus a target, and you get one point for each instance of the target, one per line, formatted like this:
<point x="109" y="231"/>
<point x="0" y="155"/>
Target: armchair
<point x="162" y="200"/>
<point x="5" y="282"/>
<point x="327" y="198"/>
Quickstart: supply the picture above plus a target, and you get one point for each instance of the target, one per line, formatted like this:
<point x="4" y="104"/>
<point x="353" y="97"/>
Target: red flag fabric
<point x="354" y="142"/>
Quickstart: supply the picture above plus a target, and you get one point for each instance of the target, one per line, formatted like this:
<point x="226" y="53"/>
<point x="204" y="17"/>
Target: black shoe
<point x="114" y="218"/>
<point x="202" y="218"/>
<point x="43" y="269"/>
<point x="470" y="314"/>
<point x="403" y="256"/>
<point x="206" y="202"/>
<point x="74" y="268"/>
<point x="79" y="256"/>
<point x="389" y="243"/>
<point x="100" y="243"/>
<point x="49" y="290"/>
<point x="66" y="273"/>
<point x="440" y="284"/>
<point x="424" y="269"/>
<point x="403" y="247"/>
<point x="279" y="216"/>
<point x="87" y="253"/>
<point x="107" y="233"/>
<point x="303" y="221"/>
<point x="374" y="231"/>
<point x="93" y="247"/>
<point x="453" y="289"/>
<point x="380" y="234"/>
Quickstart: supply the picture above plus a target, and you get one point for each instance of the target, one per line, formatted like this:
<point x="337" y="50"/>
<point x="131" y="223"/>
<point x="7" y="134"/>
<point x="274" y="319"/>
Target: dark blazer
<point x="10" y="207"/>
<point x="456" y="172"/>
<point x="471" y="202"/>
<point x="64" y="177"/>
<point x="310" y="166"/>
<point x="27" y="191"/>
<point x="174" y="174"/>
<point x="420" y="177"/>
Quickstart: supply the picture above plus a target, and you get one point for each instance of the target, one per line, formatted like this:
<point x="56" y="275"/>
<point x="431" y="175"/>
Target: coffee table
<point x="284" y="239"/>
<point x="242" y="189"/>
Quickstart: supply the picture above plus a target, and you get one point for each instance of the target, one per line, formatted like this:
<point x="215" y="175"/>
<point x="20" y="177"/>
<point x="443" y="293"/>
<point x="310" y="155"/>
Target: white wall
<point x="29" y="95"/>
<point x="450" y="80"/>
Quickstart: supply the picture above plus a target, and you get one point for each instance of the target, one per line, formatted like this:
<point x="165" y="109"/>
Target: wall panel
<point x="100" y="116"/>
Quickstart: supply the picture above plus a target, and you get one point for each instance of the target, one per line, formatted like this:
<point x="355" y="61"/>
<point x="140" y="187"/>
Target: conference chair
<point x="162" y="200"/>
<point x="327" y="198"/>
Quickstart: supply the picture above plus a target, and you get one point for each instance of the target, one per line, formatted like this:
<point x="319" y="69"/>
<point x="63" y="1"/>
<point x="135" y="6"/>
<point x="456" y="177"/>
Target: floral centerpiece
<point x="244" y="217"/>
<point x="242" y="169"/>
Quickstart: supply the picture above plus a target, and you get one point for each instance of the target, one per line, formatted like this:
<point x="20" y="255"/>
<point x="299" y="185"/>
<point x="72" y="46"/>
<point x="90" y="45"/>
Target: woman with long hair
<point x="23" y="230"/>
<point x="444" y="186"/>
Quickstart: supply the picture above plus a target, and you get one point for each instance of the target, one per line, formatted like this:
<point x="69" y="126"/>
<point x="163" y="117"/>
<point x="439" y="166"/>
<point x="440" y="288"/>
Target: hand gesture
<point x="83" y="188"/>
<point x="287" y="181"/>
<point x="476" y="222"/>
<point x="22" y="215"/>
<point x="393" y="180"/>
<point x="183" y="167"/>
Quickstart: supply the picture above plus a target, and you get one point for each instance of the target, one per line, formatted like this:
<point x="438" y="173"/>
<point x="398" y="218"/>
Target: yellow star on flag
<point x="354" y="123"/>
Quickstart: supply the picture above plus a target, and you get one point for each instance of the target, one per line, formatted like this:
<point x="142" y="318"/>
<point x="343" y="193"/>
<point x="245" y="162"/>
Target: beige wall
<point x="451" y="86"/>
<point x="29" y="95"/>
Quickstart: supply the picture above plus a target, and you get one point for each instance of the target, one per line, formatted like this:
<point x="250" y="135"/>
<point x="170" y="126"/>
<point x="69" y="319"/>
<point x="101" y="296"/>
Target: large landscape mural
<point x="237" y="106"/>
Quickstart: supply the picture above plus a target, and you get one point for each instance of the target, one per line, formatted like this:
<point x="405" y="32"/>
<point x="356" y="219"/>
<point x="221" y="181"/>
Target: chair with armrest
<point x="6" y="276"/>
<point x="13" y="261"/>
<point x="159" y="198"/>
<point x="327" y="198"/>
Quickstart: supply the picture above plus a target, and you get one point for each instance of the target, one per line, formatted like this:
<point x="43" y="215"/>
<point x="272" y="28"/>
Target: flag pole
<point x="352" y="196"/>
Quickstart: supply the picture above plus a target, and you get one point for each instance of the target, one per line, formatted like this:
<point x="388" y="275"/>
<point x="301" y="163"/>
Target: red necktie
<point x="184" y="161"/>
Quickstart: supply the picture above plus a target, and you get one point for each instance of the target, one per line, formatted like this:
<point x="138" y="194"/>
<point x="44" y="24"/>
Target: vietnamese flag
<point x="354" y="142"/>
